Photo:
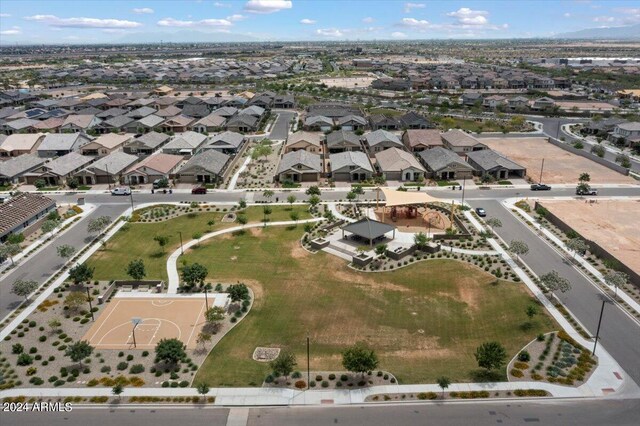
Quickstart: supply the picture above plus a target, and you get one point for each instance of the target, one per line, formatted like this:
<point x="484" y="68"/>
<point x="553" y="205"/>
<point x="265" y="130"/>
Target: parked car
<point x="125" y="190"/>
<point x="199" y="190"/>
<point x="589" y="191"/>
<point x="481" y="212"/>
<point x="540" y="187"/>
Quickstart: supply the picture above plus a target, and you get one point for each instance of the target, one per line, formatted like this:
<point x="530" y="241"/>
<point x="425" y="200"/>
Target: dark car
<point x="481" y="212"/>
<point x="199" y="190"/>
<point x="540" y="187"/>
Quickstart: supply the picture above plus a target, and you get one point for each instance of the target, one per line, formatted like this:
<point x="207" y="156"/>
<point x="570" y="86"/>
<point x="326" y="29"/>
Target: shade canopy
<point x="368" y="228"/>
<point x="403" y="198"/>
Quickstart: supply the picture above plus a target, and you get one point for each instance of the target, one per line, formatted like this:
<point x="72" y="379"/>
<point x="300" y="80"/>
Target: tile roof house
<point x="380" y="140"/>
<point x="306" y="141"/>
<point x="146" y="144"/>
<point x="21" y="211"/>
<point x="318" y="122"/>
<point x="460" y="142"/>
<point x="19" y="125"/>
<point x="299" y="166"/>
<point x="417" y="140"/>
<point x="195" y="111"/>
<point x="14" y="169"/>
<point x="225" y="142"/>
<point x="106" y="144"/>
<point x="443" y="164"/>
<point x="57" y="171"/>
<point x="146" y="124"/>
<point x="178" y="124"/>
<point x="208" y="124"/>
<point x="169" y="111"/>
<point x="107" y="169"/>
<point x="350" y="166"/>
<point x="186" y="143"/>
<point x="396" y="164"/>
<point x="351" y="122"/>
<point x="157" y="166"/>
<point x="141" y="112"/>
<point x="243" y="123"/>
<point x="413" y="120"/>
<point x="118" y="123"/>
<point x="489" y="162"/>
<point x="20" y="144"/>
<point x="342" y="140"/>
<point x="379" y="121"/>
<point x="206" y="167"/>
<point x="80" y="123"/>
<point x="57" y="144"/>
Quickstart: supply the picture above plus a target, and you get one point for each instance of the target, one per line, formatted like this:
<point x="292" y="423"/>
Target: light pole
<point x="308" y="365"/>
<point x="598" y="330"/>
<point x="206" y="299"/>
<point x="541" y="169"/>
<point x="464" y="183"/>
<point x="131" y="198"/>
<point x="181" y="249"/>
<point x="90" y="307"/>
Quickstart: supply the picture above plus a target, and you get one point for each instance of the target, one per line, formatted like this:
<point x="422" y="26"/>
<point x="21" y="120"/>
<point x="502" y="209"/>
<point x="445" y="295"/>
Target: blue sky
<point x="93" y="21"/>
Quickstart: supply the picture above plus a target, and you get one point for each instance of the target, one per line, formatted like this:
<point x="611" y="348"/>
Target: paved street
<point x="280" y="129"/>
<point x="561" y="413"/>
<point x="41" y="266"/>
<point x="619" y="334"/>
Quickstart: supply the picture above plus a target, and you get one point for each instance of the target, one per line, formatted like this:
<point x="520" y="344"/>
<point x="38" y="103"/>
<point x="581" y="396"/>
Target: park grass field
<point x="423" y="321"/>
<point x="135" y="240"/>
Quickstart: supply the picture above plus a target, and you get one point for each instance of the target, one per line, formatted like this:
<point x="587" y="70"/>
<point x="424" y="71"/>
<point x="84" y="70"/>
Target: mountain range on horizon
<point x="625" y="32"/>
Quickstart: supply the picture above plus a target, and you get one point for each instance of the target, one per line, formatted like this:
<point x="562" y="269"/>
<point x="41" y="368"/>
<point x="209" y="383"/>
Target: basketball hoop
<point x="135" y="321"/>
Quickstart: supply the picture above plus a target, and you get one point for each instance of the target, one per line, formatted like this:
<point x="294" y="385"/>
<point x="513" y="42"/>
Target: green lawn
<point x="135" y="240"/>
<point x="424" y="320"/>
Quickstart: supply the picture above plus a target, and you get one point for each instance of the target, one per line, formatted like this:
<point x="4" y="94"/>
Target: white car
<point x="121" y="191"/>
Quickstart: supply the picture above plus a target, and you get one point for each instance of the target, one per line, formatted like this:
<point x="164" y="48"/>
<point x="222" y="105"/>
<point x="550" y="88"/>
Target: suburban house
<point x="460" y="142"/>
<point x="141" y="112"/>
<point x="79" y="123"/>
<point x="319" y="123"/>
<point x="170" y="111"/>
<point x="106" y="144"/>
<point x="351" y="122"/>
<point x="284" y="102"/>
<point x="397" y="164"/>
<point x="299" y="166"/>
<point x="350" y="166"/>
<point x="342" y="140"/>
<point x="177" y="124"/>
<point x="210" y="123"/>
<point x="146" y="144"/>
<point x="57" y="171"/>
<point x="518" y="103"/>
<point x="186" y="143"/>
<point x="226" y="112"/>
<point x="419" y="140"/>
<point x="146" y="124"/>
<point x="306" y="141"/>
<point x="20" y="144"/>
<point x="13" y="170"/>
<point x="226" y="142"/>
<point x="107" y="169"/>
<point x="205" y="167"/>
<point x="244" y="123"/>
<point x="21" y="211"/>
<point x="158" y="166"/>
<point x="626" y="134"/>
<point x="58" y="144"/>
<point x="443" y="164"/>
<point x="379" y="121"/>
<point x="413" y="120"/>
<point x="602" y="127"/>
<point x="115" y="124"/>
<point x="543" y="104"/>
<point x="195" y="111"/>
<point x="489" y="162"/>
<point x="472" y="99"/>
<point x="21" y="125"/>
<point x="380" y="140"/>
<point x="494" y="101"/>
<point x="387" y="83"/>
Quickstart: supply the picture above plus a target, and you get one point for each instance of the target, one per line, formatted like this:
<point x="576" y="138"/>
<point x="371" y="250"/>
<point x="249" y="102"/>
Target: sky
<point x="105" y="21"/>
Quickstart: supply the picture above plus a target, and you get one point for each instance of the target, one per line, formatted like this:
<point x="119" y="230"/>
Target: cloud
<point x="307" y="21"/>
<point x="236" y="17"/>
<point x="55" y="21"/>
<point x="13" y="31"/>
<point x="466" y="16"/>
<point x="398" y="34"/>
<point x="421" y="24"/>
<point x="5" y="15"/>
<point x="604" y="19"/>
<point x="267" y="6"/>
<point x="631" y="15"/>
<point x="219" y="4"/>
<point x="330" y="32"/>
<point x="368" y="20"/>
<point x="567" y="15"/>
<point x="170" y="22"/>
<point x="408" y="7"/>
<point x="142" y="10"/>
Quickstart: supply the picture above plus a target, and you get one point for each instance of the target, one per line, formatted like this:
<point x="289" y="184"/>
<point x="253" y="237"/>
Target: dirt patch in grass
<point x="297" y="252"/>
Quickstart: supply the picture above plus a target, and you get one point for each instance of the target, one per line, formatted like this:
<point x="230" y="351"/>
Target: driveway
<point x="280" y="128"/>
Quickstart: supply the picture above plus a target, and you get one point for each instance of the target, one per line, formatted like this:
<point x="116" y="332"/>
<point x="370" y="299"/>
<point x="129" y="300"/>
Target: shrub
<point x="318" y="378"/>
<point x="122" y="365"/>
<point x="184" y="384"/>
<point x="300" y="384"/>
<point x="529" y="392"/>
<point x="325" y="384"/>
<point x="516" y="373"/>
<point x="312" y="384"/>
<point x="24" y="359"/>
<point x="137" y="369"/>
<point x="427" y="395"/>
<point x="129" y="357"/>
<point x="269" y="379"/>
<point x="17" y="348"/>
<point x="105" y="369"/>
<point x="332" y="376"/>
<point x="344" y="378"/>
<point x="165" y="384"/>
<point x="524" y="356"/>
<point x="145" y="353"/>
<point x="296" y="375"/>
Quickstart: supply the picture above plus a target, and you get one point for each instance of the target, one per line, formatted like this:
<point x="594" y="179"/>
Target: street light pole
<point x="131" y="198"/>
<point x="598" y="330"/>
<point x="90" y="307"/>
<point x="181" y="249"/>
<point x="206" y="299"/>
<point x="541" y="169"/>
<point x="308" y="365"/>
<point x="464" y="183"/>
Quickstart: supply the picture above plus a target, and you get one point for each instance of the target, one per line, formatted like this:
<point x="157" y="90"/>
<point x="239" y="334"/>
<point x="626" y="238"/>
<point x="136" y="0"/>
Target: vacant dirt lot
<point x="348" y="82"/>
<point x="613" y="224"/>
<point x="588" y="106"/>
<point x="560" y="166"/>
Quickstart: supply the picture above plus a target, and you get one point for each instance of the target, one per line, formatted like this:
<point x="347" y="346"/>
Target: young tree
<point x="490" y="355"/>
<point x="24" y="288"/>
<point x="242" y="204"/>
<point x="203" y="389"/>
<point x="162" y="241"/>
<point x="584" y="177"/>
<point x="54" y="325"/>
<point x="99" y="224"/>
<point x="554" y="282"/>
<point x="359" y="359"/>
<point x="211" y="223"/>
<point x="117" y="389"/>
<point x="493" y="222"/>
<point x="81" y="273"/>
<point x="136" y="269"/>
<point x="291" y="199"/>
<point x="238" y="292"/>
<point x="194" y="274"/>
<point x="294" y="217"/>
<point x="358" y="190"/>
<point x="75" y="300"/>
<point x="443" y="382"/>
<point x="203" y="338"/>
<point x="519" y="248"/>
<point x="284" y="364"/>
<point x="351" y="196"/>
<point x="531" y="311"/>
<point x="268" y="194"/>
<point x="9" y="250"/>
<point x="170" y="351"/>
<point x="78" y="351"/>
<point x="65" y="251"/>
<point x="616" y="279"/>
<point x="421" y="240"/>
<point x="214" y="314"/>
<point x="313" y="190"/>
<point x="314" y="200"/>
<point x="242" y="219"/>
<point x="380" y="249"/>
<point x="267" y="211"/>
<point x="48" y="226"/>
<point x="577" y="245"/>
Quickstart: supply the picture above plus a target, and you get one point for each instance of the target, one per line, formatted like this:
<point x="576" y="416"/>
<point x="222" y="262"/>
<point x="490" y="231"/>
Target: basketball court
<point x="152" y="318"/>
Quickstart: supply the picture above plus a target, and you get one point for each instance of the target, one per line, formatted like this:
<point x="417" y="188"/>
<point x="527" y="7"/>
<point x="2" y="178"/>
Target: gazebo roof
<point x="402" y="198"/>
<point x="368" y="228"/>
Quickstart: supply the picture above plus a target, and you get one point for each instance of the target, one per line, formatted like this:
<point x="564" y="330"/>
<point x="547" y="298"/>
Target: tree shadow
<point x="482" y="375"/>
<point x="157" y="255"/>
